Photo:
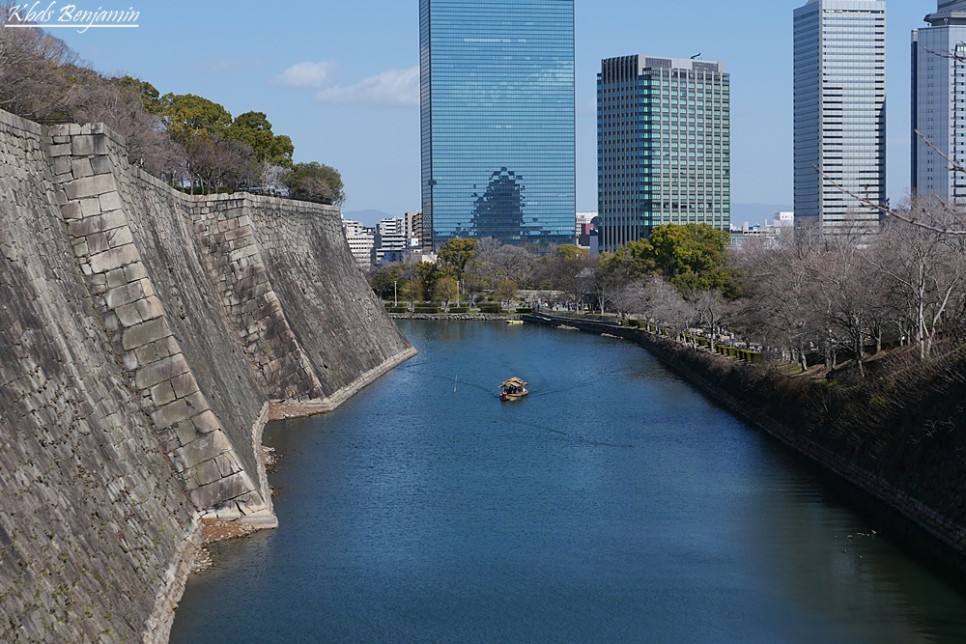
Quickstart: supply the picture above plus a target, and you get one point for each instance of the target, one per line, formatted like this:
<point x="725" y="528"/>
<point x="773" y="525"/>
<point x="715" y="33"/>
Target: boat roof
<point x="514" y="382"/>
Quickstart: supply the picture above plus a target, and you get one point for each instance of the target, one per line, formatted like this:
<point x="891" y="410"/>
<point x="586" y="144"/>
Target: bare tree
<point x="218" y="164"/>
<point x="32" y="81"/>
<point x="712" y="309"/>
<point x="925" y="265"/>
<point x="119" y="106"/>
<point x="781" y="304"/>
<point x="849" y="289"/>
<point x="659" y="303"/>
<point x="495" y="262"/>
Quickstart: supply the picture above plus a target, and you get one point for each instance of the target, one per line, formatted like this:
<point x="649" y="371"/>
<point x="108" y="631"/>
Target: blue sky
<point x="341" y="78"/>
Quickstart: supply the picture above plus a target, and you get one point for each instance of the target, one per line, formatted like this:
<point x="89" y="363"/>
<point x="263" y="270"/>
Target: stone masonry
<point x="146" y="337"/>
<point x="103" y="243"/>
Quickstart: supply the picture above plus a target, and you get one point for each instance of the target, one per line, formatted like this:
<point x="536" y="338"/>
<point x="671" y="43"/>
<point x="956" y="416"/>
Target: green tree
<point x="636" y="259"/>
<point x="148" y="93"/>
<point x="214" y="161"/>
<point x="571" y="252"/>
<point x="692" y="257"/>
<point x="456" y="253"/>
<point x="446" y="289"/>
<point x="254" y="129"/>
<point x="384" y="280"/>
<point x="189" y="118"/>
<point x="315" y="182"/>
<point x="411" y="290"/>
<point x="427" y="274"/>
<point x="505" y="290"/>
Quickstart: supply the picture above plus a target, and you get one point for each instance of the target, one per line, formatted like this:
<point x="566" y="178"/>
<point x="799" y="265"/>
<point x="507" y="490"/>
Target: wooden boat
<point x="513" y="389"/>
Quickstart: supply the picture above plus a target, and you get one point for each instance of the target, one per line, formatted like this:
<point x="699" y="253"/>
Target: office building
<point x="362" y="242"/>
<point x="497" y="120"/>
<point x="939" y="104"/>
<point x="391" y="241"/>
<point x="663" y="146"/>
<point x="840" y="115"/>
<point x="414" y="227"/>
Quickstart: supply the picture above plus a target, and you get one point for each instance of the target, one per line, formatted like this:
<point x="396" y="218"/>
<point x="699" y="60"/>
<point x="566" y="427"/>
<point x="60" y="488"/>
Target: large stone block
<point x="242" y="254"/>
<point x="90" y="207"/>
<point x="129" y="315"/>
<point x="162" y="370"/>
<point x="62" y="166"/>
<point x="60" y="150"/>
<point x="228" y="465"/>
<point x="114" y="258"/>
<point x="206" y="473"/>
<point x="124" y="295"/>
<point x="120" y="237"/>
<point x="185" y="433"/>
<point x="97" y="223"/>
<point x="184" y="385"/>
<point x="206" y="422"/>
<point x="205" y="448"/>
<point x="102" y="165"/>
<point x="80" y="168"/>
<point x="145" y="333"/>
<point x="82" y="145"/>
<point x="222" y="491"/>
<point x="137" y="272"/>
<point x="175" y="412"/>
<point x="150" y="308"/>
<point x="90" y="186"/>
<point x="238" y="234"/>
<point x="97" y="242"/>
<point x="72" y="211"/>
<point x="111" y="201"/>
<point x="158" y="351"/>
<point x="162" y="394"/>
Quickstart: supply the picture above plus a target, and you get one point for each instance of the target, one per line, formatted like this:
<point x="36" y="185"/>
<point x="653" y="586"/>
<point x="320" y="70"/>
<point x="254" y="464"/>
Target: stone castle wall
<point x="146" y="336"/>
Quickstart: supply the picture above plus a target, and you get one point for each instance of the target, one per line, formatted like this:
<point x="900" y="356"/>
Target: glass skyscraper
<point x="663" y="146"/>
<point x="939" y="104"/>
<point x="840" y="115"/>
<point x="497" y="120"/>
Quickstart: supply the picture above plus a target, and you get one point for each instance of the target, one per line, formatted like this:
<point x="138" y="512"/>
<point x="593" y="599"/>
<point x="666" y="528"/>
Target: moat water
<point x="614" y="504"/>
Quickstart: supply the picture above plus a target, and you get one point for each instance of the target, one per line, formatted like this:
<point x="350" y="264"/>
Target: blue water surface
<point x="613" y="504"/>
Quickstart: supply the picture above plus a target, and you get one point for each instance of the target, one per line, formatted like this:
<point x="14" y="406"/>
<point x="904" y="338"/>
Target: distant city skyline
<point x="344" y="85"/>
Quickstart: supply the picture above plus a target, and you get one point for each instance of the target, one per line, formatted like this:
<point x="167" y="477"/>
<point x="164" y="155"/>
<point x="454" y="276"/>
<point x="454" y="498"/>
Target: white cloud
<point x="306" y="74"/>
<point x="392" y="87"/>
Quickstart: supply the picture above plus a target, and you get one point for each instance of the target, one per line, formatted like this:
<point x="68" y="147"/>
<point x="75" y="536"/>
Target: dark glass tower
<point x="497" y="120"/>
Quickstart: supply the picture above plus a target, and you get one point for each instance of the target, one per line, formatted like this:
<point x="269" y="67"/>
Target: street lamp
<point x="395" y="299"/>
<point x="458" y="293"/>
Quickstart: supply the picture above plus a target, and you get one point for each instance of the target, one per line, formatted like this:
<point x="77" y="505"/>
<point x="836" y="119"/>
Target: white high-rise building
<point x="391" y="240"/>
<point x="939" y="103"/>
<point x="840" y="115"/>
<point x="361" y="240"/>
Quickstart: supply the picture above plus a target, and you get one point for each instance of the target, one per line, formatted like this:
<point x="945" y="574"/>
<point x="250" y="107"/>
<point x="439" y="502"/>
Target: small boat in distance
<point x="513" y="389"/>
